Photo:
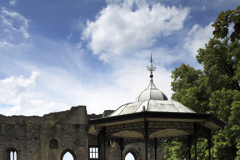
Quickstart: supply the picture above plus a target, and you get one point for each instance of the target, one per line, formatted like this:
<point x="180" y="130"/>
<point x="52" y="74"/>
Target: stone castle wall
<point x="51" y="136"/>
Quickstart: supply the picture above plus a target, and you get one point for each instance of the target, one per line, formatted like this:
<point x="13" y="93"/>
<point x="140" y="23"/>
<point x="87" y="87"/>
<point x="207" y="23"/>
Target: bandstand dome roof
<point x="151" y="100"/>
<point x="151" y="92"/>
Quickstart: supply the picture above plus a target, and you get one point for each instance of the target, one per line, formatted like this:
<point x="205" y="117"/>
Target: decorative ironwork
<point x="153" y="126"/>
<point x="156" y="126"/>
<point x="137" y="127"/>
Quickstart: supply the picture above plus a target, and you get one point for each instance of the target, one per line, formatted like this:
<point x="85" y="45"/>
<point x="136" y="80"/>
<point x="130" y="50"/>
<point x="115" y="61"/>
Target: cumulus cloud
<point x="14" y="22"/>
<point x="14" y="86"/>
<point x="15" y="90"/>
<point x="131" y="25"/>
<point x="197" y="38"/>
<point x="18" y="96"/>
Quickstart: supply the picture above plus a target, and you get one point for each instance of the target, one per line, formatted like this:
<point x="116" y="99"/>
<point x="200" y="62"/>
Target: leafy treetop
<point x="214" y="89"/>
<point x="223" y="21"/>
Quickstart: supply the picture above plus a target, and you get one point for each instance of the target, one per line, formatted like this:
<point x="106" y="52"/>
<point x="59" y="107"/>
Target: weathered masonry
<point x="51" y="136"/>
<point x="138" y="128"/>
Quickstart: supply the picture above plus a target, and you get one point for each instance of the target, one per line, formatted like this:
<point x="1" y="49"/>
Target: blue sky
<point x="58" y="54"/>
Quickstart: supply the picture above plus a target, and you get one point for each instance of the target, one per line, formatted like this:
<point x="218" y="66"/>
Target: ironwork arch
<point x="70" y="151"/>
<point x="134" y="152"/>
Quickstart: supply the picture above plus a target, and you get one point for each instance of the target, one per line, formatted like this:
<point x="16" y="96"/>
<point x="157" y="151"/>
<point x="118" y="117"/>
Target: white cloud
<point x="14" y="86"/>
<point x="13" y="2"/>
<point x="118" y="28"/>
<point x="15" y="90"/>
<point x="15" y="22"/>
<point x="20" y="96"/>
<point x="197" y="38"/>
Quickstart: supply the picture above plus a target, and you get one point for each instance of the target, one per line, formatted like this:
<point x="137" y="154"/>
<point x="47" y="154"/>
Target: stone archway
<point x="134" y="152"/>
<point x="70" y="151"/>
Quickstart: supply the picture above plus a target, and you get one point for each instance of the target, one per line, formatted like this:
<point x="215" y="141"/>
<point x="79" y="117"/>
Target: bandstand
<point x="150" y="120"/>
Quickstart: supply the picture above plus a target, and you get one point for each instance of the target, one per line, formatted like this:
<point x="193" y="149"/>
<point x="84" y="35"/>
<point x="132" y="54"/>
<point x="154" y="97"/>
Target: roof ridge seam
<point x="139" y="106"/>
<point x="118" y="108"/>
<point x="124" y="108"/>
<point x="148" y="103"/>
<point x="175" y="106"/>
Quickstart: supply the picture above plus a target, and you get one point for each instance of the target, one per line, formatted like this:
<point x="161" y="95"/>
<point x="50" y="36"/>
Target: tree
<point x="223" y="21"/>
<point x="215" y="89"/>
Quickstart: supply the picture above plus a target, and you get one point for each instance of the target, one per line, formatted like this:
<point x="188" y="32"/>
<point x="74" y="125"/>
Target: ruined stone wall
<point x="31" y="137"/>
<point x="69" y="130"/>
<point x="20" y="133"/>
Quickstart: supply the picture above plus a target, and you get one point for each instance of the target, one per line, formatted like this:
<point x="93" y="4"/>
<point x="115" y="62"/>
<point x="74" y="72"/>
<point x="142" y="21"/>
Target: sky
<point x="59" y="54"/>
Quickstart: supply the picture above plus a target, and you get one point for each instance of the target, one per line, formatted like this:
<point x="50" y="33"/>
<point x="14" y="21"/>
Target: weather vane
<point x="152" y="68"/>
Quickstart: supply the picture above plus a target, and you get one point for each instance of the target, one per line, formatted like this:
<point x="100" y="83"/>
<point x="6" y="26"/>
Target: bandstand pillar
<point x="121" y="147"/>
<point x="99" y="147"/>
<point x="195" y="137"/>
<point x="189" y="147"/>
<point x="155" y="147"/>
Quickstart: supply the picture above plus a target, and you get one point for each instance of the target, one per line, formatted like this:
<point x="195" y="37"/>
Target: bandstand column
<point x="146" y="139"/>
<point x="99" y="146"/>
<point x="155" y="147"/>
<point x="189" y="147"/>
<point x="195" y="137"/>
<point x="121" y="147"/>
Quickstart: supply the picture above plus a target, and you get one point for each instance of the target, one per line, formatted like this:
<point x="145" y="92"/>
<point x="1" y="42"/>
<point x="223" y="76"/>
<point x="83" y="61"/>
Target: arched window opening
<point x="12" y="154"/>
<point x="53" y="144"/>
<point x="68" y="156"/>
<point x="129" y="156"/>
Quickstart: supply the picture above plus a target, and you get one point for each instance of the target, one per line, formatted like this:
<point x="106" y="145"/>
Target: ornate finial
<point x="152" y="68"/>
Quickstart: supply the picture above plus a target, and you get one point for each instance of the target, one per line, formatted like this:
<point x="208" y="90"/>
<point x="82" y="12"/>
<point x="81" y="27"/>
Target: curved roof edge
<point x="151" y="105"/>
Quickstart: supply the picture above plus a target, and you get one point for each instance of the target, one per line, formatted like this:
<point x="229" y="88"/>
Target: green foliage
<point x="188" y="82"/>
<point x="216" y="90"/>
<point x="223" y="21"/>
<point x="175" y="150"/>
